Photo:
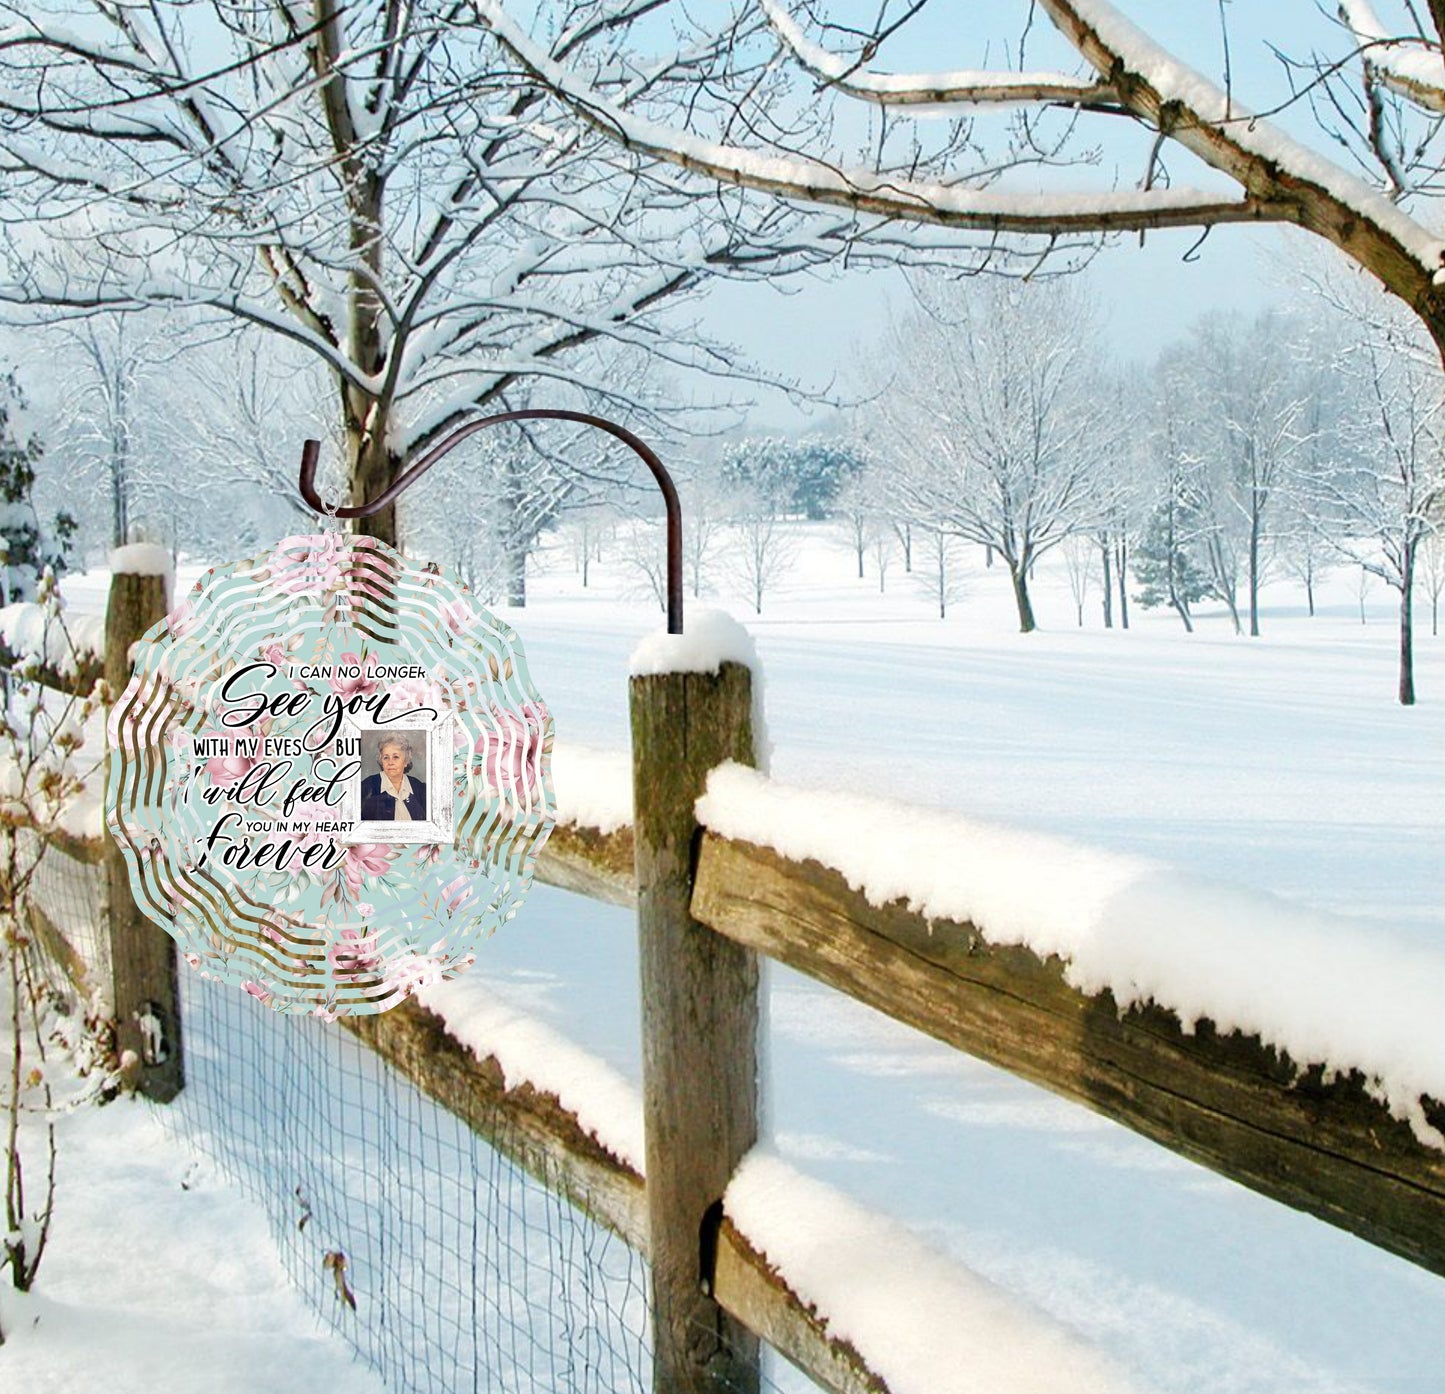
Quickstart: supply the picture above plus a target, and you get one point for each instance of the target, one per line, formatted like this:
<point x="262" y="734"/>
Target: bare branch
<point x="807" y="178"/>
<point x="928" y="89"/>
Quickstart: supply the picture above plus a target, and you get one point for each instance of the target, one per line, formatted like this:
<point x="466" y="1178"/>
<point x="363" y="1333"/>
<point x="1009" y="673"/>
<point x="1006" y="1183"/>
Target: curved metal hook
<point x="311" y="450"/>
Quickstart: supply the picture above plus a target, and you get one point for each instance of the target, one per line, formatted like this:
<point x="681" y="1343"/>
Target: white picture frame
<point x="435" y="733"/>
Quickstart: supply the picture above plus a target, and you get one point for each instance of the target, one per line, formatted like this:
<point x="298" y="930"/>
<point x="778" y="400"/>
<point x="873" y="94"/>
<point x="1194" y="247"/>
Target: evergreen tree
<point x="791" y="477"/>
<point x="1166" y="572"/>
<point x="25" y="549"/>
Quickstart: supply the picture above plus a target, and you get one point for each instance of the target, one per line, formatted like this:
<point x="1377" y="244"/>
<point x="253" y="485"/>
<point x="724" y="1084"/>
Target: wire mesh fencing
<point x="65" y="912"/>
<point x="444" y="1264"/>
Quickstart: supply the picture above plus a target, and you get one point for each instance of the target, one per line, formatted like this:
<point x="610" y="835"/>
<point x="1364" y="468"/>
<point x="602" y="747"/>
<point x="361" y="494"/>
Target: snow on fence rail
<point x="1286" y="1050"/>
<point x="1280" y="1049"/>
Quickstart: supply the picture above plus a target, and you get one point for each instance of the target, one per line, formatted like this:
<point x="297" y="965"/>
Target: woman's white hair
<point x="403" y="745"/>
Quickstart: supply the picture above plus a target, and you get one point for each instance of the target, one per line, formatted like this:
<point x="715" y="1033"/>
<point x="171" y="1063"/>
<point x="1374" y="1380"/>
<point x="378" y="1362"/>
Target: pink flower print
<point x="365" y="859"/>
<point x="274" y="653"/>
<point x="309" y="565"/>
<point x="456" y="893"/>
<point x="511" y="753"/>
<point x="407" y="972"/>
<point x="226" y="770"/>
<point x="182" y="620"/>
<point x="370" y="568"/>
<point x="354" y="955"/>
<point x="273" y="933"/>
<point x="365" y="909"/>
<point x="411" y="693"/>
<point x="428" y="854"/>
<point x="261" y="994"/>
<point x="362" y="685"/>
<point x="458" y="615"/>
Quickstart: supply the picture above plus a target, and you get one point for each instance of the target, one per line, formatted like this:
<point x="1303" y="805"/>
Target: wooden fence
<point x="707" y="905"/>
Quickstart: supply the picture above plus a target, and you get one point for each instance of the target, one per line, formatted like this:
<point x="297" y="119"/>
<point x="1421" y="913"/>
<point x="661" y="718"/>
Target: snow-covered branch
<point x="957" y="204"/>
<point x="1409" y="65"/>
<point x="971" y="87"/>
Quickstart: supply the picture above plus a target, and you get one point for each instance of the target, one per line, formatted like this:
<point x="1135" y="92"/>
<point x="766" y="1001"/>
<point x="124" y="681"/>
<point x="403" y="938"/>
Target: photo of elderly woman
<point x="398" y="793"/>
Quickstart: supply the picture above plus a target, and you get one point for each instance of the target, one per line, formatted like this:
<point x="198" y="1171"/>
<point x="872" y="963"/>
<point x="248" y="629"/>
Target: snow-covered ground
<point x="159" y="1276"/>
<point x="1282" y="764"/>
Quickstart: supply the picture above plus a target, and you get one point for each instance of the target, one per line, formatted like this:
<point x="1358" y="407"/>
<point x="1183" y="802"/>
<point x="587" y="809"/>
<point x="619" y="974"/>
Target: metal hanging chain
<point x="311" y="450"/>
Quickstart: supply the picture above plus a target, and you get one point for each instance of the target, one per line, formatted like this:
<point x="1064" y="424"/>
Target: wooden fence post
<point x="699" y="1026"/>
<point x="143" y="984"/>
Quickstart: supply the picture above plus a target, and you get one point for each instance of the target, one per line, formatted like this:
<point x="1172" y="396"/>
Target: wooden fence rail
<point x="708" y="904"/>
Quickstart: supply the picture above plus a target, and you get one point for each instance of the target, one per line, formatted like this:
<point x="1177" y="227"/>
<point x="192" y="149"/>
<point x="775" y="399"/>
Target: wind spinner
<point x="329" y="773"/>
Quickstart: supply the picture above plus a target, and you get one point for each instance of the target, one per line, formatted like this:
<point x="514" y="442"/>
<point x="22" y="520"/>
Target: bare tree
<point x="942" y="581"/>
<point x="855" y="512"/>
<point x="1389" y="482"/>
<point x="1078" y="553"/>
<point x="1252" y="419"/>
<point x="761" y="548"/>
<point x="643" y="546"/>
<point x="881" y="543"/>
<point x="707" y="504"/>
<point x="101" y="422"/>
<point x="377" y="184"/>
<point x="1432" y="569"/>
<point x="992" y="421"/>
<point x="588" y="525"/>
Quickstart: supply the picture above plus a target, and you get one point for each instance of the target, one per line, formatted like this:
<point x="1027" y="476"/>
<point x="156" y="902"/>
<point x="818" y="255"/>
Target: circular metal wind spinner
<point x="330" y="772"/>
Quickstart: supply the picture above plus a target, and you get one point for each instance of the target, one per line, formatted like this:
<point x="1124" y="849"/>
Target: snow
<point x="606" y="1105"/>
<point x="1327" y="990"/>
<point x="1415" y="63"/>
<point x="925" y="86"/>
<point x="711" y="638"/>
<point x="141" y="559"/>
<point x="1281" y="764"/>
<point x="25" y="633"/>
<point x="159" y="1276"/>
<point x="910" y="1310"/>
<point x="593" y="788"/>
<point x="1176" y="82"/>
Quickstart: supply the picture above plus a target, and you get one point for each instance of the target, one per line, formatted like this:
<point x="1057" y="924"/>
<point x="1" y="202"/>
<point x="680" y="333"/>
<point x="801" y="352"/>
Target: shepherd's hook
<point x="312" y="449"/>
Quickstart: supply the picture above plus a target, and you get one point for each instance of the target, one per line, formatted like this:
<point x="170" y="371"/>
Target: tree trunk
<point x="1255" y="520"/>
<point x="1018" y="573"/>
<point x="373" y="467"/>
<point x="1108" y="581"/>
<point x="1180" y="605"/>
<point x="119" y="464"/>
<point x="1407" y="636"/>
<point x="516" y="573"/>
<point x="1310" y="589"/>
<point x="1121" y="556"/>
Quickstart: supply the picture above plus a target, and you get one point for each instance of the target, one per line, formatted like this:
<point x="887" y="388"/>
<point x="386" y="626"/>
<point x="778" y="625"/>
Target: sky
<point x="810" y="329"/>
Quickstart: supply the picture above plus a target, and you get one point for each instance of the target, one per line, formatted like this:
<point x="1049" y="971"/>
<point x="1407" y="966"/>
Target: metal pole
<point x="311" y="450"/>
